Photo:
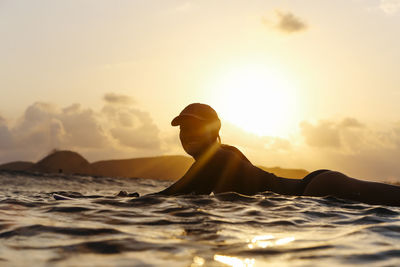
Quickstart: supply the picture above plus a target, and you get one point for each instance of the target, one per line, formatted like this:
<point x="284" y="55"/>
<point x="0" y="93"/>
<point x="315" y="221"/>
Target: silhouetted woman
<point x="223" y="168"/>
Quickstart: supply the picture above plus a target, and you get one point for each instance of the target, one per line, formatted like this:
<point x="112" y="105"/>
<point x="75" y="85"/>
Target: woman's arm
<point x="199" y="179"/>
<point x="185" y="185"/>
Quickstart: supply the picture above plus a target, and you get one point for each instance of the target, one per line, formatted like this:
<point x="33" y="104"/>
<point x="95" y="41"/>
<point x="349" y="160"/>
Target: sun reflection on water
<point x="197" y="262"/>
<point x="265" y="241"/>
<point x="261" y="241"/>
<point x="234" y="261"/>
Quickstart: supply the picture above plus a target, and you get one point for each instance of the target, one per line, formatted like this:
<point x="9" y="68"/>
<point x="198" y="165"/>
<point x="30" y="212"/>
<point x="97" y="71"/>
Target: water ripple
<point x="37" y="229"/>
<point x="266" y="229"/>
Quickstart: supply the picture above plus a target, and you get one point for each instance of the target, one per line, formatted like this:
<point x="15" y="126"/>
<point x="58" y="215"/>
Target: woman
<point x="222" y="168"/>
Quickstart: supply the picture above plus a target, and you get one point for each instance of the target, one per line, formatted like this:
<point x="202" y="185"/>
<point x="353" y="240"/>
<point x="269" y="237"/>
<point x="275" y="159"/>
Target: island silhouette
<point x="170" y="167"/>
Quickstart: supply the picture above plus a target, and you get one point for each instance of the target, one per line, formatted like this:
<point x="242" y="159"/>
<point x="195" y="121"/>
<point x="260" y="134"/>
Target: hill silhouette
<point x="17" y="166"/>
<point x="63" y="161"/>
<point x="161" y="167"/>
<point x="287" y="173"/>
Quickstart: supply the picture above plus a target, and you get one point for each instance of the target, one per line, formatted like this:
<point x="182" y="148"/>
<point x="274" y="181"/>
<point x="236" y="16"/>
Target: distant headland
<point x="161" y="167"/>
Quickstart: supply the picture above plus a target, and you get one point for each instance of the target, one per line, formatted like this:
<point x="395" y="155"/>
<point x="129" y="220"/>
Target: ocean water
<point x="99" y="229"/>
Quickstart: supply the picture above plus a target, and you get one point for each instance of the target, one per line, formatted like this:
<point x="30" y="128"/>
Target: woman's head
<point x="199" y="128"/>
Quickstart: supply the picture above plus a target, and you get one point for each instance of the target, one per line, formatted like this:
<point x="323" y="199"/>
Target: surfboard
<point x="61" y="197"/>
<point x="125" y="195"/>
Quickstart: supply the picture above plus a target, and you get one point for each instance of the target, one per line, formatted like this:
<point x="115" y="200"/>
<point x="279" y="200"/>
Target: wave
<point x="266" y="229"/>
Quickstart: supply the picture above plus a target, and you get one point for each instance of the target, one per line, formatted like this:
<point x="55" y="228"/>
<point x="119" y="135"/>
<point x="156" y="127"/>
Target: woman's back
<point x="224" y="168"/>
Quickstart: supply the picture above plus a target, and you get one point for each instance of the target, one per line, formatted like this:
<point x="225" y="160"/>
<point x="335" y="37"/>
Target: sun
<point x="257" y="99"/>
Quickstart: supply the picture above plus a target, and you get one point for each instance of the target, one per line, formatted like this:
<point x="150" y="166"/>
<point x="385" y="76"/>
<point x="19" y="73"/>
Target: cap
<point x="198" y="111"/>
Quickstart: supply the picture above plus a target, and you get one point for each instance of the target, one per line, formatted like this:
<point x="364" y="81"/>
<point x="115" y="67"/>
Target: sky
<point x="297" y="84"/>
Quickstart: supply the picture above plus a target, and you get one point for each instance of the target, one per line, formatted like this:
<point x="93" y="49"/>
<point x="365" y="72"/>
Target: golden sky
<point x="301" y="84"/>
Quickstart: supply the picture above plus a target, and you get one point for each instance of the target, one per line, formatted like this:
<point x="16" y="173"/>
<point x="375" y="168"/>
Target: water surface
<point x="99" y="229"/>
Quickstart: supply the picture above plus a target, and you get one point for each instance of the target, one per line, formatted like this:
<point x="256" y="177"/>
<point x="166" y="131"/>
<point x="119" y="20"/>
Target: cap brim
<point x="179" y="119"/>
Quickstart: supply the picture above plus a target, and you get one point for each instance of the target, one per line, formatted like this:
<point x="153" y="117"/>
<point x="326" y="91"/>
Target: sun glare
<point x="257" y="99"/>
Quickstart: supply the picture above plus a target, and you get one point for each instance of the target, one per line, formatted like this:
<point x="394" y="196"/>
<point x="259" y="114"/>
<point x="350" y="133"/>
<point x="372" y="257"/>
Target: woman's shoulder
<point x="233" y="151"/>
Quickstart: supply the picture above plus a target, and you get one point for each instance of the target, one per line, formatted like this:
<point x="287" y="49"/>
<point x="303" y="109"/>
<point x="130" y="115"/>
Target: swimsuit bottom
<point x="309" y="177"/>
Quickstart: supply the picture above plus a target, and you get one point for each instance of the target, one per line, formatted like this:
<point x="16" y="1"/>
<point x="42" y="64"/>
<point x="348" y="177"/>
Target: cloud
<point x="132" y="127"/>
<point x="6" y="139"/>
<point x="112" y="98"/>
<point x="390" y="7"/>
<point x="36" y="126"/>
<point x="117" y="128"/>
<point x="82" y="127"/>
<point x="44" y="126"/>
<point x="351" y="123"/>
<point x="348" y="135"/>
<point x="286" y="22"/>
<point x="353" y="147"/>
<point x="344" y="134"/>
<point x="324" y="134"/>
